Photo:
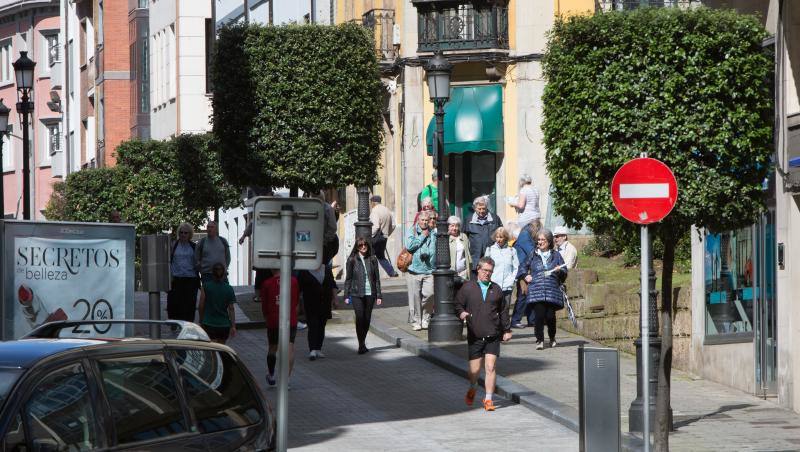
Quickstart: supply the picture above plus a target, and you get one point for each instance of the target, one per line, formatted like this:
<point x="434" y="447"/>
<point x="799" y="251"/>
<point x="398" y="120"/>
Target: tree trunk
<point x="662" y="420"/>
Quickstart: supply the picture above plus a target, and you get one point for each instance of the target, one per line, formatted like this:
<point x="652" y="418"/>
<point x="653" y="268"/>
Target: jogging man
<point x="481" y="304"/>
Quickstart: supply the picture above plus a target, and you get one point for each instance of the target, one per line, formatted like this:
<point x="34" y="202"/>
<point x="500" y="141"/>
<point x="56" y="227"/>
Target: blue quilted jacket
<point x="543" y="288"/>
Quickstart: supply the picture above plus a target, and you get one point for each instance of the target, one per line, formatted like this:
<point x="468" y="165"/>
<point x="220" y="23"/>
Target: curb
<point x="505" y="387"/>
<point x="517" y="393"/>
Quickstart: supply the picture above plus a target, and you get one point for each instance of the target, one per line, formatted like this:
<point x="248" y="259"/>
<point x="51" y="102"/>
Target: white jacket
<point x="506" y="264"/>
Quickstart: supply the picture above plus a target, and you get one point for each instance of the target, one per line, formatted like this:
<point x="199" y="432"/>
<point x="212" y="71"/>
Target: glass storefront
<point x="730" y="291"/>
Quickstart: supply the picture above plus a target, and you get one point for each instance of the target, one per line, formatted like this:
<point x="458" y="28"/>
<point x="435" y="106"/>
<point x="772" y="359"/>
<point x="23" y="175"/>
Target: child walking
<point x="217" y="316"/>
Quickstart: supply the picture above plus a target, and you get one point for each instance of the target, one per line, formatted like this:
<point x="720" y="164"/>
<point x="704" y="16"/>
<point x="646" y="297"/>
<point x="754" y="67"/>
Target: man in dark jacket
<point x="482" y="305"/>
<point x="480" y="229"/>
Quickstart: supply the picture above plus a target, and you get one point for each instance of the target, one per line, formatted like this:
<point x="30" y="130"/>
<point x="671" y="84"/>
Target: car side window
<point x="14" y="440"/>
<point x="59" y="412"/>
<point x="218" y="391"/>
<point x="143" y="398"/>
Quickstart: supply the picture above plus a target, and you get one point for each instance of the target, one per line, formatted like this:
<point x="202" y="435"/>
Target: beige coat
<point x="466" y="274"/>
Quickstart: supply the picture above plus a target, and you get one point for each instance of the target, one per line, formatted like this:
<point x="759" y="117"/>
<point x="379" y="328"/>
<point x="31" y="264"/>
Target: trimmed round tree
<point x="156" y="185"/>
<point x="690" y="87"/>
<point x="298" y="106"/>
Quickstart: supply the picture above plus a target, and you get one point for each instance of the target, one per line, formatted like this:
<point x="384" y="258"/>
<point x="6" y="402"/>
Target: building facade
<point x="33" y="27"/>
<point x="745" y="282"/>
<point x="492" y="123"/>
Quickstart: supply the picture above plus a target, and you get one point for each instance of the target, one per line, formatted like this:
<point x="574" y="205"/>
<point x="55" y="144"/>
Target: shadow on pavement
<point x="380" y="387"/>
<point x="692" y="419"/>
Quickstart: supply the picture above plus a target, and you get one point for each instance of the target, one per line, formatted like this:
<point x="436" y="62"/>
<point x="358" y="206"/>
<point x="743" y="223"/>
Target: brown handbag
<point x="404" y="260"/>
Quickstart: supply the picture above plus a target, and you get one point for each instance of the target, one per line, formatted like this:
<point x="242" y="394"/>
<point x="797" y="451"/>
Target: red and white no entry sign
<point x="644" y="190"/>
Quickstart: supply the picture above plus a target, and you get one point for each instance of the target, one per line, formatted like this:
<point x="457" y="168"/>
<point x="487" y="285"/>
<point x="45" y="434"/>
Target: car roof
<point x="24" y="353"/>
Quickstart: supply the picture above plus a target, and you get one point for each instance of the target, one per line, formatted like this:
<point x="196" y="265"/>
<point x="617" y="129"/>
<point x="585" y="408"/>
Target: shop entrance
<point x="765" y="331"/>
<point x="472" y="174"/>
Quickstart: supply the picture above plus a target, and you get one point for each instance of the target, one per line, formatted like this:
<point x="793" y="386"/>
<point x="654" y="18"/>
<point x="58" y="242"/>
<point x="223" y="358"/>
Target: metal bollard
<point x="598" y="399"/>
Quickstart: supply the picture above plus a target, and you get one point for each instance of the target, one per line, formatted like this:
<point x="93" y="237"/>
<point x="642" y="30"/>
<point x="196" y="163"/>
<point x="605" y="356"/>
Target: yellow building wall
<point x="574" y="7"/>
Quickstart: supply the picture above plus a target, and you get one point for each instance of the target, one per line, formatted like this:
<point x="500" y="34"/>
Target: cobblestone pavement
<point x="707" y="416"/>
<point x="390" y="400"/>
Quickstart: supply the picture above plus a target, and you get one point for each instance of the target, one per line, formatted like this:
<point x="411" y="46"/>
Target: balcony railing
<point x="381" y="21"/>
<point x="463" y="27"/>
<point x="627" y="5"/>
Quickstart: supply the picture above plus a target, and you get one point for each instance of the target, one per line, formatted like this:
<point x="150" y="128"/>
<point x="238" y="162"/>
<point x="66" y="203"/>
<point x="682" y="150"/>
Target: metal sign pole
<point x="287" y="251"/>
<point x="645" y="337"/>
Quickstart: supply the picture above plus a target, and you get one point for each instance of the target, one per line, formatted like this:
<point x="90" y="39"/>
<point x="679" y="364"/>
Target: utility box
<point x="155" y="263"/>
<point x="598" y="399"/>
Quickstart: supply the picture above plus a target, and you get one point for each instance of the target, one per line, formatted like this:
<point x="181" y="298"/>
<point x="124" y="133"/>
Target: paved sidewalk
<point x="707" y="416"/>
<point x="390" y="400"/>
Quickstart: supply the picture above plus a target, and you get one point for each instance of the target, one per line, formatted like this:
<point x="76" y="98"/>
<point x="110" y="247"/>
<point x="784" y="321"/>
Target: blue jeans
<point x="522" y="307"/>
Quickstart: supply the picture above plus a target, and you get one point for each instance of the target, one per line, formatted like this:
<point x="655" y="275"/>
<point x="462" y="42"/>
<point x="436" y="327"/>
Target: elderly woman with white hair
<point x="480" y="228"/>
<point x="527" y="202"/>
<point x="460" y="259"/>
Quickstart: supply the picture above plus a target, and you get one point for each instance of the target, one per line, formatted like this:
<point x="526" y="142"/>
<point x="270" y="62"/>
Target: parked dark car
<point x="144" y="394"/>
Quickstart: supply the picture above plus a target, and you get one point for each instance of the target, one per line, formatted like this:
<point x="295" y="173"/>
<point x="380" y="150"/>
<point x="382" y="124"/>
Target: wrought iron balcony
<point x="464" y="26"/>
<point x="627" y="5"/>
<point x="381" y="22"/>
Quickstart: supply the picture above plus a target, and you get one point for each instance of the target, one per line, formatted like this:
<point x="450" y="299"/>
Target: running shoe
<point x="469" y="399"/>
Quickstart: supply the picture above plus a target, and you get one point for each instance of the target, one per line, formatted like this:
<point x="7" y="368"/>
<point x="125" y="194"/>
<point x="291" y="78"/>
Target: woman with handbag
<point x="362" y="288"/>
<point x="544" y="271"/>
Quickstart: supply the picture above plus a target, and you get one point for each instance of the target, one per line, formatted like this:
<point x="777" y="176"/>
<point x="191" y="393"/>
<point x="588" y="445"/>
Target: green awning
<point x="473" y="120"/>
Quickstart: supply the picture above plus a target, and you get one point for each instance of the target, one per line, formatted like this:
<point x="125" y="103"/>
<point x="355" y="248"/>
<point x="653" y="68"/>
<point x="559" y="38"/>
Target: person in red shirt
<point x="270" y="303"/>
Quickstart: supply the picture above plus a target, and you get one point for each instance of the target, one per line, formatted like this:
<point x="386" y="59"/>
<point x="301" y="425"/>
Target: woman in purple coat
<point x="544" y="271"/>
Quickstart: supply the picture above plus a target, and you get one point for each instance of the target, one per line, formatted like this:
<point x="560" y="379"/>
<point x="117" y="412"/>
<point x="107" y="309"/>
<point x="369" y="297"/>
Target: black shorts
<point x="272" y="335"/>
<point x="217" y="333"/>
<point x="478" y="347"/>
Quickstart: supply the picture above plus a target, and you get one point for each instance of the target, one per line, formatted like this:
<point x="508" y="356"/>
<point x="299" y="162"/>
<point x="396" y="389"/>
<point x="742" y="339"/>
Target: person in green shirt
<point x="429" y="191"/>
<point x="217" y="316"/>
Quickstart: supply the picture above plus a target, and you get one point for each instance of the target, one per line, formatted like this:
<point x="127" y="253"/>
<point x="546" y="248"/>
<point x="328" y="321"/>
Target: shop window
<point x="730" y="291"/>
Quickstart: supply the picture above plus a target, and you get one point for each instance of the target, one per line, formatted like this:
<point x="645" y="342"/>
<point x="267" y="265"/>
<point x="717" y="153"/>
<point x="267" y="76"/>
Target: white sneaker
<point x="553" y="343"/>
<point x="416" y="327"/>
<point x="540" y="346"/>
<point x="312" y="355"/>
<point x="320" y="355"/>
<point x="425" y="325"/>
<point x="301" y="326"/>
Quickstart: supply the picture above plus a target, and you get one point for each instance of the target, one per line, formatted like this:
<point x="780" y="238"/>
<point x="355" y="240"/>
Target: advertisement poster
<point x="65" y="279"/>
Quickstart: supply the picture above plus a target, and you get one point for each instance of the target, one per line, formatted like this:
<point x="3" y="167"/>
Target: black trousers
<point x="317" y="304"/>
<point x="182" y="299"/>
<point x="545" y="312"/>
<point x="363" y="310"/>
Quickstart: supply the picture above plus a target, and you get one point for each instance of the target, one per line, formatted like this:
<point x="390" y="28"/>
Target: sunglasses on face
<point x="362" y="245"/>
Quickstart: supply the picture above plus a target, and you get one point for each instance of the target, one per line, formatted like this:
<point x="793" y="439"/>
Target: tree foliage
<point x="689" y="87"/>
<point x="89" y="195"/>
<point x="297" y="105"/>
<point x="155" y="185"/>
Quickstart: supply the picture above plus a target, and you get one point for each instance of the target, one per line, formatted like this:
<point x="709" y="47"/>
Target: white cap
<point x="559" y="230"/>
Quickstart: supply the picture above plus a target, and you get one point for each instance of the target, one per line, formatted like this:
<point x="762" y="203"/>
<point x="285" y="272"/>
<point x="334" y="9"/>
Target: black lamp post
<point x="444" y="326"/>
<point x="4" y="111"/>
<point x="23" y="68"/>
<point x="363" y="225"/>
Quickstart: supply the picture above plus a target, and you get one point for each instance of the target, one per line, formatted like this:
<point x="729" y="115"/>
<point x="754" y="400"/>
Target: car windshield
<point x="8" y="377"/>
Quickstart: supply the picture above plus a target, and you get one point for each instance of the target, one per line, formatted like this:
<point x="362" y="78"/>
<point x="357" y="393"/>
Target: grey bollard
<point x="598" y="399"/>
<point x="156" y="276"/>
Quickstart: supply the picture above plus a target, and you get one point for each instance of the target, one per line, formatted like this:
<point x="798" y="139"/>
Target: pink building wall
<point x="32" y="22"/>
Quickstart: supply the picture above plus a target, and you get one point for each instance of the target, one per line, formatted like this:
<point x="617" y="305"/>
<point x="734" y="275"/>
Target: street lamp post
<point x="4" y="111"/>
<point x="444" y="326"/>
<point x="363" y="225"/>
<point x="23" y="69"/>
